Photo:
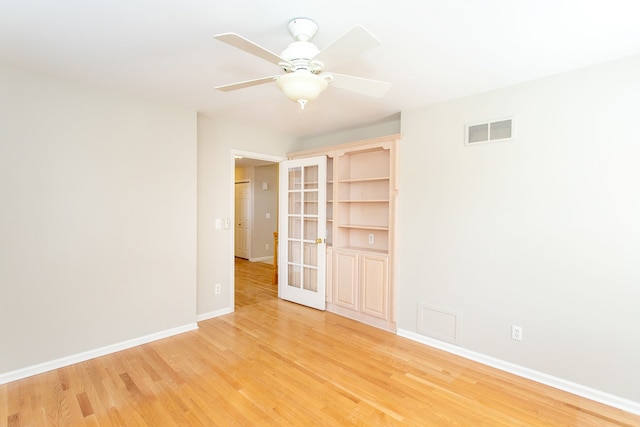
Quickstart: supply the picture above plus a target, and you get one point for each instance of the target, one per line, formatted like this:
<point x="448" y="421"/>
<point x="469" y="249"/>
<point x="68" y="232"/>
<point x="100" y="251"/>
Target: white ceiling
<point x="431" y="50"/>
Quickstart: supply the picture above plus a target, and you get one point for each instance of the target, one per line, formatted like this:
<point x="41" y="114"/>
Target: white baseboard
<point x="92" y="354"/>
<point x="264" y="259"/>
<point x="540" y="377"/>
<point x="212" y="314"/>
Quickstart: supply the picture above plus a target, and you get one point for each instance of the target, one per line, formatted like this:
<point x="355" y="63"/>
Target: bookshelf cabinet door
<point x="374" y="285"/>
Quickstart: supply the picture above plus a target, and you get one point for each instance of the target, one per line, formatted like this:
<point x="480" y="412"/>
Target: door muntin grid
<point x="303" y="230"/>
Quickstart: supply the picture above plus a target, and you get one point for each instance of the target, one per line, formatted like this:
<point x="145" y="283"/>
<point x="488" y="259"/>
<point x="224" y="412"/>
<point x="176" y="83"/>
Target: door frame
<point x="232" y="203"/>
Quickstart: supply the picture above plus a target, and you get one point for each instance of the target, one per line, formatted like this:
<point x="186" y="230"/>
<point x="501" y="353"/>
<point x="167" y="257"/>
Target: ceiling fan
<point x="303" y="63"/>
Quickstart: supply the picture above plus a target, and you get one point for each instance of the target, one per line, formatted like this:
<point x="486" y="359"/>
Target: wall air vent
<point x="493" y="131"/>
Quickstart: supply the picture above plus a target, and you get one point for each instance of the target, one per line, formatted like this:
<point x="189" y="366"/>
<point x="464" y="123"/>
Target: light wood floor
<point x="275" y="363"/>
<point x="253" y="283"/>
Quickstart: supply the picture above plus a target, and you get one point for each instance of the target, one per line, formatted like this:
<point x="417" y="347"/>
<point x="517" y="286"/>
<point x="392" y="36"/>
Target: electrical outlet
<point x="266" y="246"/>
<point x="516" y="332"/>
<point x="371" y="238"/>
<point x="218" y="289"/>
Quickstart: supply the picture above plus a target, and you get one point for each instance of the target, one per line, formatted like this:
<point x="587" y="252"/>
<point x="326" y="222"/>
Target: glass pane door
<point x="303" y="231"/>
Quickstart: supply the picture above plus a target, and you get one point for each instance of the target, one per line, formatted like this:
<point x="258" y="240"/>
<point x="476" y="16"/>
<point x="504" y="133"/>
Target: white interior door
<point x="242" y="219"/>
<point x="302" y="231"/>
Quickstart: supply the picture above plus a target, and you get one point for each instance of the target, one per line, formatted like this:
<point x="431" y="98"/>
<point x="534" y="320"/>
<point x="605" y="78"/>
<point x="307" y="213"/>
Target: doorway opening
<point x="255" y="201"/>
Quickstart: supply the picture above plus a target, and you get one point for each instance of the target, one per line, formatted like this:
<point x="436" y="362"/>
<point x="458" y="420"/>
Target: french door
<point x="302" y="231"/>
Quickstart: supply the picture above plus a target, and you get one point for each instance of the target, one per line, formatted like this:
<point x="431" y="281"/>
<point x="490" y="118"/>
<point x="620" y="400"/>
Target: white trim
<point x="256" y="156"/>
<point x="212" y="314"/>
<point x="92" y="354"/>
<point x="264" y="259"/>
<point x="540" y="377"/>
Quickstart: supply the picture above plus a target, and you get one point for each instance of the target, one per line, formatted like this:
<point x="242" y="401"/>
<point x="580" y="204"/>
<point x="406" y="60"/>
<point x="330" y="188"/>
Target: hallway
<point x="253" y="283"/>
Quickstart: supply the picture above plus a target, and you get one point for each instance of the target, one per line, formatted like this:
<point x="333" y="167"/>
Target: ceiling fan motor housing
<point x="299" y="54"/>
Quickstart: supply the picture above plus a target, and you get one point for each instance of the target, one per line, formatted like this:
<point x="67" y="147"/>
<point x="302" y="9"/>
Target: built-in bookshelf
<point x="362" y="191"/>
<point x="363" y="200"/>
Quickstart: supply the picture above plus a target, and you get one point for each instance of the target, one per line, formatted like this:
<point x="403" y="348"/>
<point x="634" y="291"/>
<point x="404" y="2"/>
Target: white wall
<point x="216" y="141"/>
<point x="97" y="218"/>
<point x="542" y="232"/>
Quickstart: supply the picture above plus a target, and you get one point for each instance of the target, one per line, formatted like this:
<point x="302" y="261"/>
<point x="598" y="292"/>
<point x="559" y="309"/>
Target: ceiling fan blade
<point x="353" y="42"/>
<point x="247" y="83"/>
<point x="360" y="85"/>
<point x="240" y="42"/>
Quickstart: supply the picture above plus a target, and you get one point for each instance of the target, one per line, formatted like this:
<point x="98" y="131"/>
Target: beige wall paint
<point x="97" y="218"/>
<point x="541" y="232"/>
<point x="244" y="174"/>
<point x="375" y="130"/>
<point x="217" y="141"/>
<point x="264" y="201"/>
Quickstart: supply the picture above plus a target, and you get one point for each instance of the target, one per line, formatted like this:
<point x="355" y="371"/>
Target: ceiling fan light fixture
<point x="304" y="77"/>
<point x="302" y="86"/>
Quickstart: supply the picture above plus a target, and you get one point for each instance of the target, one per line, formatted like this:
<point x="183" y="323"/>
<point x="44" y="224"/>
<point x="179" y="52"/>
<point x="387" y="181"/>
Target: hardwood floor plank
<point x="275" y="363"/>
<point x="4" y="401"/>
<point x="85" y="404"/>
